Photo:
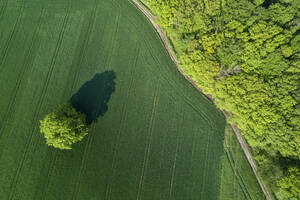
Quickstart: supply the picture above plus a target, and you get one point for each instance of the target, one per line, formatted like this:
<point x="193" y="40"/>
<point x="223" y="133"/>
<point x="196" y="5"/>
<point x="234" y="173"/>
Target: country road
<point x="235" y="129"/>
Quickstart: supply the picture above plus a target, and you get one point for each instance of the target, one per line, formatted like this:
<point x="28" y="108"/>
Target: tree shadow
<point x="93" y="96"/>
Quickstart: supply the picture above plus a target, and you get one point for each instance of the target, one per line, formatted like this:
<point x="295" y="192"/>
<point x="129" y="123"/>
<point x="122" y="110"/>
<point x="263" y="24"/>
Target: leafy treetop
<point x="64" y="127"/>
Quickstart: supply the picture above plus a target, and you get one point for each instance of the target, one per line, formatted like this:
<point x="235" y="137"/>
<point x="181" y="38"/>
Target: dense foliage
<point x="246" y="54"/>
<point x="64" y="127"/>
<point x="290" y="184"/>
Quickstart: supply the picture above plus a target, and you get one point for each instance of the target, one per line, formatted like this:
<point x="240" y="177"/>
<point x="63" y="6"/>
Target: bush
<point x="64" y="127"/>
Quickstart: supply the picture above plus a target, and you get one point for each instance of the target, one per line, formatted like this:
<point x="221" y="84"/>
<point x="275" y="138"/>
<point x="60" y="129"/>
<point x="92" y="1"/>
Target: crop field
<point x="237" y="179"/>
<point x="152" y="135"/>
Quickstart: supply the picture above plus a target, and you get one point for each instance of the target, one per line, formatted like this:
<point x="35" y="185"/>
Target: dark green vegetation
<point x="237" y="178"/>
<point x="246" y="54"/>
<point x="153" y="135"/>
<point x="290" y="184"/>
<point x="64" y="127"/>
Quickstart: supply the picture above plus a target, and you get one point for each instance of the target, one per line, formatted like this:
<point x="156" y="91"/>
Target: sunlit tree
<point x="64" y="127"/>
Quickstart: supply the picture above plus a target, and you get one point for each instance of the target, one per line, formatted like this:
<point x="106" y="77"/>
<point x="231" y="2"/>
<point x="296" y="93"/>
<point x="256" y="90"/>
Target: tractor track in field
<point x="77" y="62"/>
<point x="162" y="151"/>
<point x="237" y="175"/>
<point x="178" y="144"/>
<point x="39" y="106"/>
<point x="181" y="93"/>
<point x="192" y="158"/>
<point x="149" y="140"/>
<point x="123" y="117"/>
<point x="2" y="10"/>
<point x="173" y="169"/>
<point x="112" y="39"/>
<point x="124" y="111"/>
<point x="82" y="165"/>
<point x="85" y="43"/>
<point x="241" y="140"/>
<point x="15" y="178"/>
<point x="8" y="41"/>
<point x="48" y="177"/>
<point x="115" y="150"/>
<point x="174" y="84"/>
<point x="25" y="68"/>
<point x="115" y="34"/>
<point x="205" y="164"/>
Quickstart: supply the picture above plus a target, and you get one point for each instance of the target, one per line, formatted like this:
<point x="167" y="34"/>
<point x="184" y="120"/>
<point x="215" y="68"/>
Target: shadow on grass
<point x="93" y="96"/>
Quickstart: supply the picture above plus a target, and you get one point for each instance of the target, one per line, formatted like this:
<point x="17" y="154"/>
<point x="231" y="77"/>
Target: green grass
<point x="155" y="136"/>
<point x="237" y="180"/>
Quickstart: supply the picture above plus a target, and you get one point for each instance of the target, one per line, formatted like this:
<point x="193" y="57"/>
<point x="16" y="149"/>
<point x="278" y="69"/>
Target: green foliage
<point x="289" y="185"/>
<point x="64" y="127"/>
<point x="246" y="54"/>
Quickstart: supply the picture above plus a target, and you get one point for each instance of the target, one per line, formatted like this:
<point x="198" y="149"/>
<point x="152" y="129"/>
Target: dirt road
<point x="235" y="129"/>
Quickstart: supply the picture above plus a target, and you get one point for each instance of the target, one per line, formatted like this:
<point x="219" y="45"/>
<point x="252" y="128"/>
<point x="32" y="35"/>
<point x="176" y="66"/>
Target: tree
<point x="289" y="185"/>
<point x="64" y="127"/>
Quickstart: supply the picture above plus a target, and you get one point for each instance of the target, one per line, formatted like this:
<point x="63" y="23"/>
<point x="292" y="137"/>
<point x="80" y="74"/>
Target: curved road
<point x="235" y="129"/>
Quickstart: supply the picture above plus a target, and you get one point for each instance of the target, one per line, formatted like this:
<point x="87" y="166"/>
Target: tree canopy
<point x="64" y="127"/>
<point x="290" y="185"/>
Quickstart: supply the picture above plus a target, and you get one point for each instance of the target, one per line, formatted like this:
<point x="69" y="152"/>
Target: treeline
<point x="246" y="54"/>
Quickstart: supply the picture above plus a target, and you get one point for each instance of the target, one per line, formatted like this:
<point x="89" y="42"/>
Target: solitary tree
<point x="64" y="127"/>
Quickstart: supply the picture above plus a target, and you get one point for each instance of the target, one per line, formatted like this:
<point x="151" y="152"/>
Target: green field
<point x="237" y="179"/>
<point x="152" y="135"/>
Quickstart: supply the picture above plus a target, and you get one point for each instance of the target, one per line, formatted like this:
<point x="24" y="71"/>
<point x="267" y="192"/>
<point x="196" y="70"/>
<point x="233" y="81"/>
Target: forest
<point x="246" y="54"/>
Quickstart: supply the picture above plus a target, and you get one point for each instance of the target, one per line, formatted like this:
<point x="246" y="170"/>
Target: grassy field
<point x="152" y="135"/>
<point x="237" y="179"/>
